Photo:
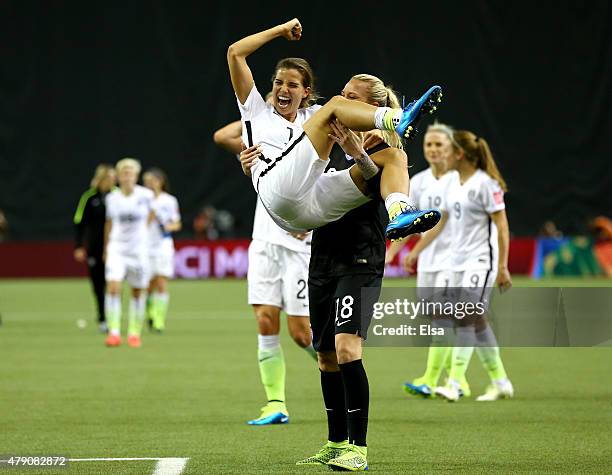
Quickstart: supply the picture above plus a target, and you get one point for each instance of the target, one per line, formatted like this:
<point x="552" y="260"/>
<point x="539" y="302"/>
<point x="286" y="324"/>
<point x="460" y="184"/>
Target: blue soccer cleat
<point x="418" y="389"/>
<point x="413" y="112"/>
<point x="271" y="413"/>
<point x="410" y="221"/>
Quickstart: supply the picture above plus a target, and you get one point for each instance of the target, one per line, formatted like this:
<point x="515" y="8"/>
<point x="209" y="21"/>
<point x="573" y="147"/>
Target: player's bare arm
<point x="504" y="280"/>
<point x="229" y="137"/>
<point x="240" y="73"/>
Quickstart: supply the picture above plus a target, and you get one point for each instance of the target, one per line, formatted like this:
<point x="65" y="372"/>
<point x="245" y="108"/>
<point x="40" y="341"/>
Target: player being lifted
<point x="161" y="246"/>
<point x="128" y="212"/>
<point x="295" y="144"/>
<point x="348" y="256"/>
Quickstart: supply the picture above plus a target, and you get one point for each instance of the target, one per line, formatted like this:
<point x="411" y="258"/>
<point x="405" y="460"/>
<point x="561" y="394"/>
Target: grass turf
<point x="189" y="392"/>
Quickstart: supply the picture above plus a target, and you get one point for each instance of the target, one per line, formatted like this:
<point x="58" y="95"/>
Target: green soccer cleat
<point x="329" y="451"/>
<point x="352" y="460"/>
<point x="271" y="413"/>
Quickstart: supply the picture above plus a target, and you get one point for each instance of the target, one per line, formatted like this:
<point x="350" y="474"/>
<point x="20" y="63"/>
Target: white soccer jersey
<point x="166" y="209"/>
<point x="265" y="229"/>
<point x="426" y="192"/>
<point x="129" y="214"/>
<point x="473" y="233"/>
<point x="261" y="124"/>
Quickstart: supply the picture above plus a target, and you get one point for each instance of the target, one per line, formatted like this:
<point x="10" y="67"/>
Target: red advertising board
<point x="193" y="259"/>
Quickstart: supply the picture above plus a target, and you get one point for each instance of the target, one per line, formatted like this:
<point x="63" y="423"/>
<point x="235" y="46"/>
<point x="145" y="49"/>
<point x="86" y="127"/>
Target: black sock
<point x="333" y="396"/>
<point x="357" y="394"/>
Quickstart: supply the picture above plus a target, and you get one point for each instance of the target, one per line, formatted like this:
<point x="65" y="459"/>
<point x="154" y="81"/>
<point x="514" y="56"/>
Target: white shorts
<point x="278" y="276"/>
<point x="476" y="285"/>
<point x="162" y="264"/>
<point x="298" y="195"/>
<point x="131" y="267"/>
<point x="429" y="282"/>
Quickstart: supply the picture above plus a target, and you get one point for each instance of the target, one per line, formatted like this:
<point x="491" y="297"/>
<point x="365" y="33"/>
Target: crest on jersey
<point x="498" y="197"/>
<point x="472" y="195"/>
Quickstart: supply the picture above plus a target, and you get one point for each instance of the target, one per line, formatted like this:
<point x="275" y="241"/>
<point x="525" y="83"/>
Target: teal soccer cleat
<point x="413" y="112"/>
<point x="410" y="221"/>
<point x="271" y="413"/>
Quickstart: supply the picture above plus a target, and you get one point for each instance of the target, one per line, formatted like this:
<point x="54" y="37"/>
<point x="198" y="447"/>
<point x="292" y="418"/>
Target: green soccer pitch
<point x="189" y="392"/>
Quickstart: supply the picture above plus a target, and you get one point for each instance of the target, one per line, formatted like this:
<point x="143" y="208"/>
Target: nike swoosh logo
<point x="340" y="324"/>
<point x="266" y="358"/>
<point x="353" y="410"/>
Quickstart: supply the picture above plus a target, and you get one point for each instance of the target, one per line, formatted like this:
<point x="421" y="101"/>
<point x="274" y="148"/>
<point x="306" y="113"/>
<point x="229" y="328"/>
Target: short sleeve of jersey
<point x="492" y="196"/>
<point x="253" y="105"/>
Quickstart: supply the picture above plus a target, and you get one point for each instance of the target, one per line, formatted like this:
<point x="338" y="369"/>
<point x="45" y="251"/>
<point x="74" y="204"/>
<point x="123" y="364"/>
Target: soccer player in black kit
<point x="89" y="219"/>
<point x="348" y="255"/>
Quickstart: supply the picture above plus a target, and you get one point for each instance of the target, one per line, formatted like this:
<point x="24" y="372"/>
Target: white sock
<point x="486" y="337"/>
<point x="112" y="306"/>
<point x="268" y="342"/>
<point x="393" y="198"/>
<point x="381" y="113"/>
<point x="162" y="297"/>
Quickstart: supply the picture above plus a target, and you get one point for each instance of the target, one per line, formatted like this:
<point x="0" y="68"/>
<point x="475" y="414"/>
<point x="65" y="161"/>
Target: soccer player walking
<point x="126" y="251"/>
<point x="89" y="219"/>
<point x="479" y="259"/>
<point x="161" y="246"/>
<point x="433" y="251"/>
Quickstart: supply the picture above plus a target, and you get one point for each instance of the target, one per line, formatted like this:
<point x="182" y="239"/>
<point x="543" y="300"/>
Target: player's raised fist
<point x="292" y="30"/>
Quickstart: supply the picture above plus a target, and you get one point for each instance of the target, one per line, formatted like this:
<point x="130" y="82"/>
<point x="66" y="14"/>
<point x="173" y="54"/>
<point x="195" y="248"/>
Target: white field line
<point x="164" y="466"/>
<point x="170" y="466"/>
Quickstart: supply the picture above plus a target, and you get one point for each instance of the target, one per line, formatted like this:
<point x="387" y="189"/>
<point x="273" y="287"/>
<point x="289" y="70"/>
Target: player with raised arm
<point x="161" y="246"/>
<point x="479" y="259"/>
<point x="294" y="140"/>
<point x="277" y="281"/>
<point x="126" y="251"/>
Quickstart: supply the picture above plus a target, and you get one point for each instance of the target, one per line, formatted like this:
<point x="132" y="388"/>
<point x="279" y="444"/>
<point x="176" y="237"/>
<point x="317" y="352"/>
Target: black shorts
<point x="336" y="307"/>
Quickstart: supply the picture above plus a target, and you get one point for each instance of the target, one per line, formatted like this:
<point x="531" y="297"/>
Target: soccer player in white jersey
<point x="294" y="137"/>
<point x="433" y="251"/>
<point x="161" y="246"/>
<point x="479" y="260"/>
<point x="126" y="251"/>
<point x="277" y="281"/>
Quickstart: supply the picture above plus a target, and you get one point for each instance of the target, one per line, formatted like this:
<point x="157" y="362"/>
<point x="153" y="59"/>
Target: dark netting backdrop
<point x="89" y="82"/>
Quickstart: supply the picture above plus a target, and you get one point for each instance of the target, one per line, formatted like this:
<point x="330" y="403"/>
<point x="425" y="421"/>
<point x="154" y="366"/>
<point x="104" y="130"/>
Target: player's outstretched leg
<point x="359" y="116"/>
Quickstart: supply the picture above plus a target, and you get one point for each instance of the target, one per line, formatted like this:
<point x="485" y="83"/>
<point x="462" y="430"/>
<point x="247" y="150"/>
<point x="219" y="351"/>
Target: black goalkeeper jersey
<point x="89" y="220"/>
<point x="355" y="244"/>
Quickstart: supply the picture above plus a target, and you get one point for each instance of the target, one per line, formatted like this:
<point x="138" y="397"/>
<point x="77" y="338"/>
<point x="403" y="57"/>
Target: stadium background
<point x="89" y="82"/>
